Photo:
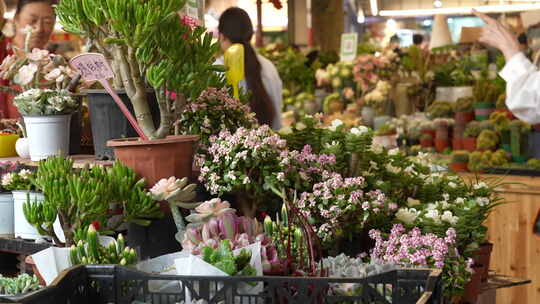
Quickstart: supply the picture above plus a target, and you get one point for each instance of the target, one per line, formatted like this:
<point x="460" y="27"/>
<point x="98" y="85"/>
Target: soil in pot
<point x="158" y="158"/>
<point x="464" y="117"/>
<point x="108" y="122"/>
<point x="459" y="167"/>
<point x="469" y="144"/>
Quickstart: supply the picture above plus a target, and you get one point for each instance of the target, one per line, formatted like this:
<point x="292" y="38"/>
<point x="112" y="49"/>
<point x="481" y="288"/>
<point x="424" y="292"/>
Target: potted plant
<point x="20" y="184"/>
<point x="487" y="140"/>
<point x="6" y="201"/>
<point x="485" y="94"/>
<point x="463" y="109"/>
<point x="501" y="107"/>
<point x="502" y="126"/>
<point x="460" y="161"/>
<point x="442" y="133"/>
<point x="19" y="285"/>
<point x="426" y="140"/>
<point x="165" y="51"/>
<point x="43" y="98"/>
<point x="428" y="127"/>
<point x="469" y="136"/>
<point x="519" y="132"/>
<point x="441" y="109"/>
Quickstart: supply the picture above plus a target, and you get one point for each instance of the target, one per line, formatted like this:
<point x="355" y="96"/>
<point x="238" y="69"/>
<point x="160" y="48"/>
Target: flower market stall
<point x="376" y="189"/>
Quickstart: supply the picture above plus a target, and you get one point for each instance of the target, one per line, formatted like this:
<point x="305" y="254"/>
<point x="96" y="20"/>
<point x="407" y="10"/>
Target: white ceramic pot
<point x="6" y="215"/>
<point x="452" y="94"/>
<point x="21" y="146"/>
<point x="47" y="135"/>
<point x="23" y="229"/>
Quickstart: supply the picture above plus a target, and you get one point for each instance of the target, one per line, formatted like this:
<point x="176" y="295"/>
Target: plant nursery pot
<point x="441" y="145"/>
<point x="464" y="117"/>
<point x="108" y="122"/>
<point x="469" y="144"/>
<point x="368" y="114"/>
<point x="459" y="167"/>
<point x="6" y="215"/>
<point x="154" y="240"/>
<point x="22" y="148"/>
<point x="47" y="135"/>
<point x="483" y="257"/>
<point x="534" y="144"/>
<point x="483" y="110"/>
<point x="75" y="132"/>
<point x="23" y="229"/>
<point x="457" y="143"/>
<point x="158" y="158"/>
<point x="7" y="145"/>
<point x="429" y="132"/>
<point x="519" y="146"/>
<point x="426" y="143"/>
<point x="472" y="289"/>
<point x="442" y="134"/>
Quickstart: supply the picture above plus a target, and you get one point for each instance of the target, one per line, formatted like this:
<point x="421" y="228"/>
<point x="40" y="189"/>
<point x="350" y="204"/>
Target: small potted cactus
<point x="487" y="140"/>
<point x="460" y="161"/>
<point x="485" y="95"/>
<point x="426" y="140"/>
<point x="502" y="126"/>
<point x="519" y="140"/>
<point x="463" y="109"/>
<point x="500" y="107"/>
<point x="442" y="133"/>
<point x="469" y="136"/>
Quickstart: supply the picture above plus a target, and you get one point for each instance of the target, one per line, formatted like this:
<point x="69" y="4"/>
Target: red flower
<point x="277" y="4"/>
<point x="96" y="225"/>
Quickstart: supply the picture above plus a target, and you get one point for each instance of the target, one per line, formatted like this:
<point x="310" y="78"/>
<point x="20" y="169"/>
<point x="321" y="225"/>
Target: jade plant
<point x="22" y="284"/>
<point x="80" y="197"/>
<point x="487" y="140"/>
<point x="90" y="251"/>
<point x="460" y="157"/>
<point x="148" y="43"/>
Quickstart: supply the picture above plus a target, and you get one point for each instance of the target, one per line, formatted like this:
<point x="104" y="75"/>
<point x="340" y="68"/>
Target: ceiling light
<point x="374" y="7"/>
<point x="361" y="17"/>
<point x="460" y="10"/>
<point x="437" y="3"/>
<point x="427" y="22"/>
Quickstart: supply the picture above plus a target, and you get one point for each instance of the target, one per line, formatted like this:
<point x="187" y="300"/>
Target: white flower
<point x="449" y="217"/>
<point x="54" y="74"/>
<point x="300" y="126"/>
<point x="446" y="196"/>
<point x="38" y="55"/>
<point x="482" y="201"/>
<point x="25" y="173"/>
<point x="412" y="202"/>
<point x="359" y="130"/>
<point x="246" y="181"/>
<point x="373" y="165"/>
<point x="432" y="206"/>
<point x="7" y="179"/>
<point x="26" y="74"/>
<point x="336" y="123"/>
<point x="392" y="169"/>
<point x="434" y="215"/>
<point x="377" y="149"/>
<point x="407" y="216"/>
<point x="409" y="169"/>
<point x="480" y="185"/>
<point x="460" y="200"/>
<point x="286" y="130"/>
<point x="393" y="152"/>
<point x="452" y="185"/>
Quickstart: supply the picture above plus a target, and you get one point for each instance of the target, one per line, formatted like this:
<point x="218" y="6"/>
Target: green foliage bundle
<point x="224" y="259"/>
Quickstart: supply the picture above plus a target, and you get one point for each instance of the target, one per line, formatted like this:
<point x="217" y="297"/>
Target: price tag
<point x="94" y="67"/>
<point x="349" y="46"/>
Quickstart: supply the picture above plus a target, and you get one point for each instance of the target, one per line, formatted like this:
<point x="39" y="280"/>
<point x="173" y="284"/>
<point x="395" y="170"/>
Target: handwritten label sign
<point x="94" y="67"/>
<point x="349" y="46"/>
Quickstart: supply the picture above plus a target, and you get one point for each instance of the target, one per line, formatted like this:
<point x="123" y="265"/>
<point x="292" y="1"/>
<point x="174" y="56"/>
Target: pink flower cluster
<point x="366" y="70"/>
<point x="307" y="164"/>
<point x="412" y="248"/>
<point x="224" y="102"/>
<point x="338" y="202"/>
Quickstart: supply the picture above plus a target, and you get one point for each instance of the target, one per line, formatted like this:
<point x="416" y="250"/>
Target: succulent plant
<point x="500" y="121"/>
<point x="460" y="157"/>
<point x="472" y="129"/>
<point x="443" y="122"/>
<point x="487" y="140"/>
<point x="464" y="104"/>
<point x="224" y="259"/>
<point x="441" y="109"/>
<point x="240" y="231"/>
<point x="520" y="126"/>
<point x="343" y="266"/>
<point x="501" y="102"/>
<point x="90" y="251"/>
<point x="22" y="284"/>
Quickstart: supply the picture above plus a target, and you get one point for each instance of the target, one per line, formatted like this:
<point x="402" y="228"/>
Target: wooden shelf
<point x="79" y="161"/>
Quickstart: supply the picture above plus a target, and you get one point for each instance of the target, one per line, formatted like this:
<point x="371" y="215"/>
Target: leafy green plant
<point x="148" y="43"/>
<point x="224" y="259"/>
<point x="464" y="104"/>
<point x="487" y="140"/>
<point x="78" y="198"/>
<point x="90" y="251"/>
<point x="22" y="284"/>
<point x="460" y="157"/>
<point x="472" y="130"/>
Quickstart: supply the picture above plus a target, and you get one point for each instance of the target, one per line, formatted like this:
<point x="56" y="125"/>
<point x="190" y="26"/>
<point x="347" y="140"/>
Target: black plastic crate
<point x="122" y="285"/>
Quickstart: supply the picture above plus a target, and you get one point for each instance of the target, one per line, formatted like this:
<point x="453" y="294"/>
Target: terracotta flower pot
<point x="459" y="167"/>
<point x="469" y="144"/>
<point x="472" y="289"/>
<point x="457" y="143"/>
<point x="442" y="133"/>
<point x="441" y="145"/>
<point x="464" y="117"/>
<point x="426" y="143"/>
<point x="483" y="257"/>
<point x="158" y="158"/>
<point x="430" y="132"/>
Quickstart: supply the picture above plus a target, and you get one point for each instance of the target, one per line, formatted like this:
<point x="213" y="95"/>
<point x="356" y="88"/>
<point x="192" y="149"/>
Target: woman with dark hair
<point x="261" y="77"/>
<point x="39" y="14"/>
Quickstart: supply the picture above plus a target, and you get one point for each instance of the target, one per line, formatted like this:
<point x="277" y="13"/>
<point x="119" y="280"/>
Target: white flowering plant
<point x="214" y="111"/>
<point x="22" y="180"/>
<point x="45" y="102"/>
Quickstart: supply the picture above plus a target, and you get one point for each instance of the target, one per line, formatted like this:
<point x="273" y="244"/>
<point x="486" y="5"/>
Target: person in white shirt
<point x="521" y="75"/>
<point x="261" y="76"/>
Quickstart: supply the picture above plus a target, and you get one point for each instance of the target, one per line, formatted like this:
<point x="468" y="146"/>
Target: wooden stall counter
<point x="516" y="250"/>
